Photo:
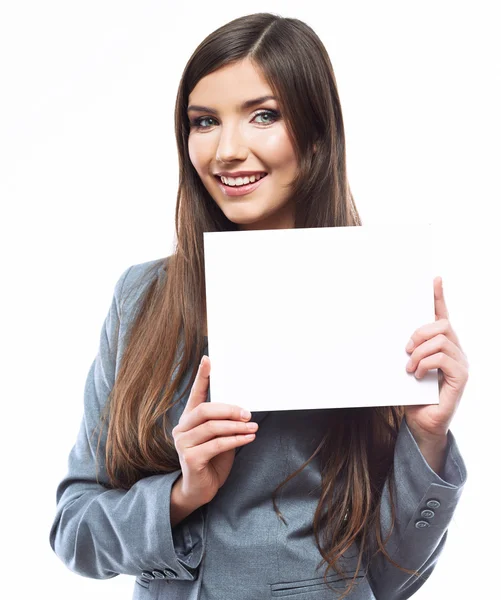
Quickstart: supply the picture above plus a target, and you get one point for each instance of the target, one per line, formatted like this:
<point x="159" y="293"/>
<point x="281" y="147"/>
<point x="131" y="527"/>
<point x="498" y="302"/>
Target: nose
<point x="231" y="145"/>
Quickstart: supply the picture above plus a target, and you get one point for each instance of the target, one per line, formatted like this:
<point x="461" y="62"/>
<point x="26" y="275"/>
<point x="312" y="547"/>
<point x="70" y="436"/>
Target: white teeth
<point x="241" y="180"/>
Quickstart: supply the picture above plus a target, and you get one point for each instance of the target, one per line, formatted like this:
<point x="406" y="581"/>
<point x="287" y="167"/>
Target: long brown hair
<point x="357" y="452"/>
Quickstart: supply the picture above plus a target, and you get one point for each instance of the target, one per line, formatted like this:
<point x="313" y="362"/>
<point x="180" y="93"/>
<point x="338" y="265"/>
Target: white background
<point x="88" y="181"/>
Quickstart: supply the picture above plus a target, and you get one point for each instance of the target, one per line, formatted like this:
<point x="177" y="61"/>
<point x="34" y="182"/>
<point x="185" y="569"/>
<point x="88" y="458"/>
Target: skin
<point x="234" y="139"/>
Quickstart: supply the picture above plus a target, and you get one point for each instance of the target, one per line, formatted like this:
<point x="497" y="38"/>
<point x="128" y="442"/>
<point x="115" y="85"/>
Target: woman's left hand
<point x="436" y="346"/>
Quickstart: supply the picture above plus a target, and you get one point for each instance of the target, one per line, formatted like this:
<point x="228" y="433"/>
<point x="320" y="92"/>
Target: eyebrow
<point x="243" y="106"/>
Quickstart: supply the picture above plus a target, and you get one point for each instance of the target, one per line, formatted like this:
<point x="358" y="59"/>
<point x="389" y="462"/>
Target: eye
<point x="198" y="122"/>
<point x="268" y="113"/>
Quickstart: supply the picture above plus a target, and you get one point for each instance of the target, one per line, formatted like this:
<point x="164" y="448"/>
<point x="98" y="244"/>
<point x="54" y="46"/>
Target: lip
<point x="241" y="190"/>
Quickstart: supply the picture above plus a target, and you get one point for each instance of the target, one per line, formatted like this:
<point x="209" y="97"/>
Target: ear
<point x="314" y="148"/>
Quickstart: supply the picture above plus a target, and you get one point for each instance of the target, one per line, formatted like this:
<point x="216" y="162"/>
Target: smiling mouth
<point x="261" y="176"/>
<point x="239" y="190"/>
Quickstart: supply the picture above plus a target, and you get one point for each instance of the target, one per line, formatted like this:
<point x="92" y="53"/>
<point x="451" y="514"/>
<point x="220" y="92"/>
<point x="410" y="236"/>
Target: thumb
<point x="200" y="386"/>
<point x="441" y="311"/>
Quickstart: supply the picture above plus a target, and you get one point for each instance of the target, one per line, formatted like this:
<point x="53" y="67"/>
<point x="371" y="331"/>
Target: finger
<point x="429" y="331"/>
<point x="208" y="411"/>
<point x="212" y="429"/>
<point x="200" y="386"/>
<point x="439" y="343"/>
<point x="441" y="311"/>
<point x="456" y="373"/>
<point x="219" y="445"/>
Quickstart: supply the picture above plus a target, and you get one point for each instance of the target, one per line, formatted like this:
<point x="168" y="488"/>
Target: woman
<point x="191" y="497"/>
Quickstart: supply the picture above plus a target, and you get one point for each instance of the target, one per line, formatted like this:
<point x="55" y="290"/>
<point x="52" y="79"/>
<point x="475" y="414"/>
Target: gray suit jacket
<point x="235" y="547"/>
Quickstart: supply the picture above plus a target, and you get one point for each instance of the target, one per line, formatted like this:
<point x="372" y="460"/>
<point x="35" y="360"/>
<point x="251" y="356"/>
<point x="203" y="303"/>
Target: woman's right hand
<point x="206" y="438"/>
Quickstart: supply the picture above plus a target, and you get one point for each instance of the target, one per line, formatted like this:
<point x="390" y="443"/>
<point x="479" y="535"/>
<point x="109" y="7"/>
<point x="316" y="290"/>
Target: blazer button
<point x="422" y="524"/>
<point x="158" y="574"/>
<point x="147" y="575"/>
<point x="433" y="504"/>
<point x="170" y="574"/>
<point x="427" y="513"/>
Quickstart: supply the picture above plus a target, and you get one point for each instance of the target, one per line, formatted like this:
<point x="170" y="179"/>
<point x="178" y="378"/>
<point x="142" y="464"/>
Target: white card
<point x="318" y="317"/>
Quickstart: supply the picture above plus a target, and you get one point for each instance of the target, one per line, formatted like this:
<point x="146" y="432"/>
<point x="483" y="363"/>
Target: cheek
<point x="198" y="154"/>
<point x="193" y="153"/>
<point x="278" y="149"/>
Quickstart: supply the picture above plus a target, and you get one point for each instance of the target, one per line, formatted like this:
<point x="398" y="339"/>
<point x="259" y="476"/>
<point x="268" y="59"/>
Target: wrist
<point x="181" y="505"/>
<point x="434" y="451"/>
<point x="426" y="437"/>
<point x="188" y="498"/>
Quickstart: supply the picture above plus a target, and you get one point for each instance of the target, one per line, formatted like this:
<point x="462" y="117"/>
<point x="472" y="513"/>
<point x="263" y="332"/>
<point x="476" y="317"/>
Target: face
<point x="227" y="136"/>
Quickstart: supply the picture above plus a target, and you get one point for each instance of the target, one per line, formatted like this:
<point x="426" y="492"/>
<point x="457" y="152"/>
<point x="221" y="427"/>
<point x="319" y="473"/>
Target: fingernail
<point x="245" y="414"/>
<point x="202" y="361"/>
<point x="410" y="345"/>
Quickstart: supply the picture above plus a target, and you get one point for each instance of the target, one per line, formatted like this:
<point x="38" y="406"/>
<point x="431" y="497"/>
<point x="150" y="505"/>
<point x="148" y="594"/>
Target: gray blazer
<point x="236" y="547"/>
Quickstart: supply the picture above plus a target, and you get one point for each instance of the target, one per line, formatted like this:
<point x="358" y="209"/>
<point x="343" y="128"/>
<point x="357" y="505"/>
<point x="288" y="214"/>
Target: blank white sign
<point x="319" y="317"/>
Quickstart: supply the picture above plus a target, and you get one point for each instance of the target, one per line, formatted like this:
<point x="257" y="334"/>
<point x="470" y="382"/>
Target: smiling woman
<point x="240" y="140"/>
<point x="184" y="491"/>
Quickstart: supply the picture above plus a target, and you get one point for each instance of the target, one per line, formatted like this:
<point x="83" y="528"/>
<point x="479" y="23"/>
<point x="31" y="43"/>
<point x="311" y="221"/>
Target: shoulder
<point x="135" y="281"/>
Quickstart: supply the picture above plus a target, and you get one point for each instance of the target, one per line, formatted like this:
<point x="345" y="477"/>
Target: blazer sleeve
<point x="100" y="532"/>
<point x="425" y="505"/>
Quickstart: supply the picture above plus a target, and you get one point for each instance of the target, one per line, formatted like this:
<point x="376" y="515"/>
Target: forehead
<point x="230" y="85"/>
